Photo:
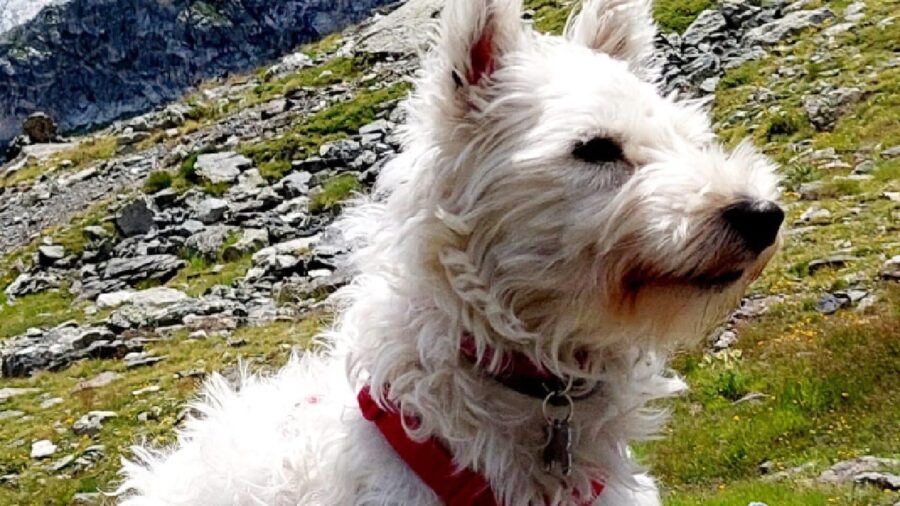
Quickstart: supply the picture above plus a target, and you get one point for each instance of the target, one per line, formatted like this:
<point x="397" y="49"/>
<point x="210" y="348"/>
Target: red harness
<point x="431" y="460"/>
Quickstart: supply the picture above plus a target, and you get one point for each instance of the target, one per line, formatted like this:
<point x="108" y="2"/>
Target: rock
<point x="133" y="270"/>
<point x="135" y="360"/>
<point x="295" y="184"/>
<point x="846" y="471"/>
<point x="892" y="196"/>
<point x="87" y="498"/>
<point x="864" y="167"/>
<point x="289" y="64"/>
<point x="810" y="191"/>
<point x="211" y="210"/>
<point x="891" y="152"/>
<point x="157" y="296"/>
<point x="824" y="109"/>
<point x="724" y="340"/>
<point x="400" y="32"/>
<point x="884" y="481"/>
<point x="49" y="403"/>
<point x="40" y="128"/>
<point x="252" y="239"/>
<point x="221" y="167"/>
<point x="8" y="393"/>
<point x="91" y="423"/>
<point x="164" y="198"/>
<point x="831" y="303"/>
<point x="891" y="269"/>
<point x="792" y="23"/>
<point x="5" y="415"/>
<point x="816" y="215"/>
<point x="834" y="261"/>
<point x="344" y="150"/>
<point x="49" y="255"/>
<point x="135" y="218"/>
<point x="26" y="284"/>
<point x="113" y="299"/>
<point x="209" y="242"/>
<point x="99" y="381"/>
<point x="42" y="449"/>
<point x="62" y="463"/>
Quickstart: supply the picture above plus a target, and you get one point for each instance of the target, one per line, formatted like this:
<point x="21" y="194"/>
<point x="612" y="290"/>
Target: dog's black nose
<point x="757" y="222"/>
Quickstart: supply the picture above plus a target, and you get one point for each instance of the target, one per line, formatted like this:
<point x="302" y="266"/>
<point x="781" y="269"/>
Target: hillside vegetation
<point x="790" y="402"/>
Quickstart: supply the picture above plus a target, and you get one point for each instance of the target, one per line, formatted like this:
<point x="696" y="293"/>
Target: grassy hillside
<point x="797" y="392"/>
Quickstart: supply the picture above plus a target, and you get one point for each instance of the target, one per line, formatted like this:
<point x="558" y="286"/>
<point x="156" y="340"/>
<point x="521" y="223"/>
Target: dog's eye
<point x="598" y="150"/>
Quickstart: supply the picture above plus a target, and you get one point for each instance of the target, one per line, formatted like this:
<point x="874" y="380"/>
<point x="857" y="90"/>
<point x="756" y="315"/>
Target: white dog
<point x="552" y="230"/>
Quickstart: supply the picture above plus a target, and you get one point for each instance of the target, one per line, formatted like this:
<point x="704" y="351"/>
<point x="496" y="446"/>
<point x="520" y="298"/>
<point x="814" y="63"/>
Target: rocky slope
<point x="138" y="259"/>
<point x="88" y="62"/>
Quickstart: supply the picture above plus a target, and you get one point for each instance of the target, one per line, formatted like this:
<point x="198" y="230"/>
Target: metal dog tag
<point x="558" y="449"/>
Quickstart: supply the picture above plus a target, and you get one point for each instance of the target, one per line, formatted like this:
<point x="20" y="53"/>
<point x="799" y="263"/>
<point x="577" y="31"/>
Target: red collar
<point x="519" y="372"/>
<point x="432" y="461"/>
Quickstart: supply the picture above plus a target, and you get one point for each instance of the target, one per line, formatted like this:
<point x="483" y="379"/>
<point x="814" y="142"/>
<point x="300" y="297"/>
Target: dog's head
<point x="574" y="201"/>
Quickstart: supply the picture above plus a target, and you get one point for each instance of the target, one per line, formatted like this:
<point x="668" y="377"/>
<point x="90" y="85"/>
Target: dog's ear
<point x="475" y="34"/>
<point x="623" y="29"/>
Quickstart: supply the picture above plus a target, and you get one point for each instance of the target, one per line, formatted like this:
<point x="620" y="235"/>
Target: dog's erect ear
<point x="475" y="34"/>
<point x="623" y="29"/>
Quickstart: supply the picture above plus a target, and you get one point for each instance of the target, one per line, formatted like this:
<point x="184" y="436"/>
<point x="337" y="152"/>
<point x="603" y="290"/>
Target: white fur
<point x="486" y="224"/>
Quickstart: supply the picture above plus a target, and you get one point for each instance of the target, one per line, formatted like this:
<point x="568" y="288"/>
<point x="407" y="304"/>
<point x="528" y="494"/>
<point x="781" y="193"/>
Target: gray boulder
<point x="222" y="167"/>
<point x="775" y="31"/>
<point x="133" y="270"/>
<point x="135" y="218"/>
<point x="211" y="210"/>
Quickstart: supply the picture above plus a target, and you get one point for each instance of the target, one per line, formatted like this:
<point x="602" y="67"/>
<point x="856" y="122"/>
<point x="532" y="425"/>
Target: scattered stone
<point x="792" y="23"/>
<point x="824" y="109"/>
<point x="62" y="463"/>
<point x="42" y="449"/>
<point x="4" y="415"/>
<point x="891" y="152"/>
<point x="816" y="215"/>
<point x="847" y="470"/>
<point x="135" y="360"/>
<point x="884" y="481"/>
<point x="135" y="218"/>
<point x="211" y="210"/>
<point x="209" y="242"/>
<point x="724" y="340"/>
<point x="91" y="423"/>
<point x="751" y="397"/>
<point x="834" y="261"/>
<point x="49" y="255"/>
<point x="152" y="389"/>
<point x="49" y="403"/>
<point x="99" y="381"/>
<point x="221" y="167"/>
<point x="9" y="393"/>
<point x="892" y="196"/>
<point x="133" y="270"/>
<point x="40" y="128"/>
<point x="891" y="269"/>
<point x="831" y="303"/>
<point x="252" y="240"/>
<point x="864" y="167"/>
<point x="811" y="191"/>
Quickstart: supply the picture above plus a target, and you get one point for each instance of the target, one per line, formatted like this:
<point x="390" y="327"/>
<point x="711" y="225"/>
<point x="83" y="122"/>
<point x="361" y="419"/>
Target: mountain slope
<point x="212" y="214"/>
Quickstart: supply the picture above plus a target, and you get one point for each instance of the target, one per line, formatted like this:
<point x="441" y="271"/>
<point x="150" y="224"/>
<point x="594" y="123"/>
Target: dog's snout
<point x="755" y="221"/>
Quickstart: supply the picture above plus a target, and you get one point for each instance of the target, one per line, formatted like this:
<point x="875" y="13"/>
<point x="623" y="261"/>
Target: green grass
<point x="273" y="156"/>
<point x="157" y="181"/>
<point x="336" y="70"/>
<point x="333" y="192"/>
<point x="270" y="344"/>
<point x="44" y="309"/>
<point x="676" y="15"/>
<point x="93" y="150"/>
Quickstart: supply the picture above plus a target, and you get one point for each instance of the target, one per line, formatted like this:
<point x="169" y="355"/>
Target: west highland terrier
<point x="552" y="230"/>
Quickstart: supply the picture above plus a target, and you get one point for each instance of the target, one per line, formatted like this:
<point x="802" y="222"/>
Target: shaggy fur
<point x="488" y="224"/>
